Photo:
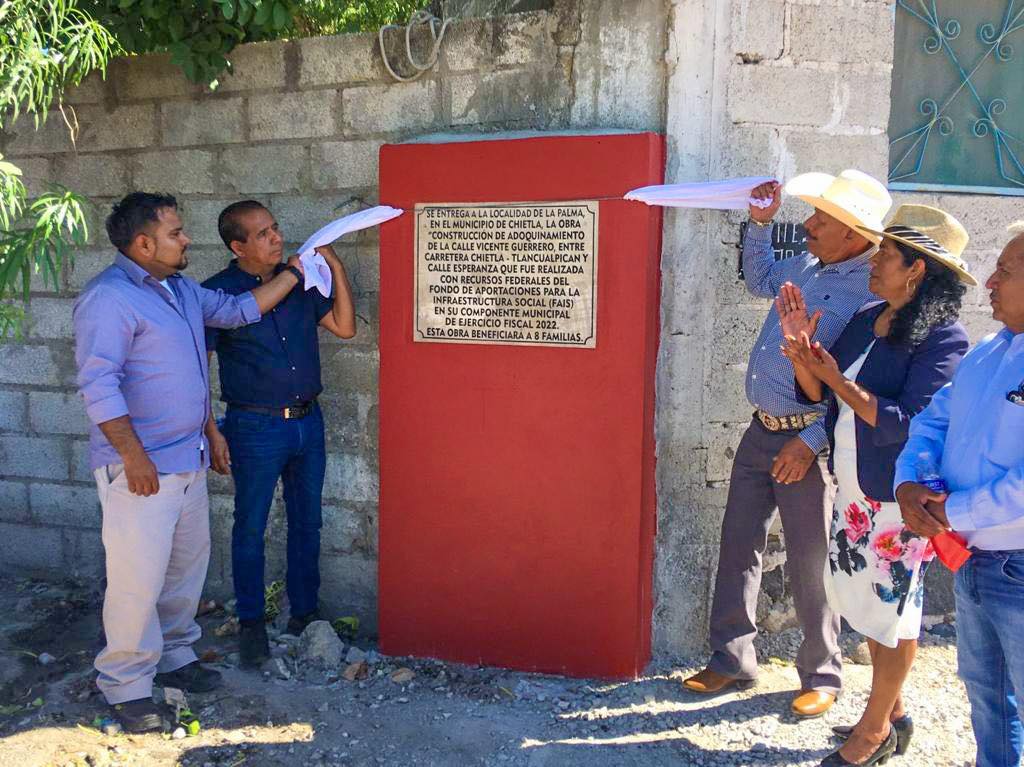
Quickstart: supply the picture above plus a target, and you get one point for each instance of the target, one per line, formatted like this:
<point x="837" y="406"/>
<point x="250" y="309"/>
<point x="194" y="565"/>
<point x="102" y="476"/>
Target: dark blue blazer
<point x="903" y="379"/>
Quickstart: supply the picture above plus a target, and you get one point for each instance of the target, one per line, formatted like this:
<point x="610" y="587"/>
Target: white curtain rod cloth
<point x="318" y="273"/>
<point x="728" y="194"/>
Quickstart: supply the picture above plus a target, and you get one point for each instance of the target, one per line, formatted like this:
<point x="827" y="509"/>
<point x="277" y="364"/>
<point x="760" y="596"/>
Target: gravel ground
<point x="446" y="714"/>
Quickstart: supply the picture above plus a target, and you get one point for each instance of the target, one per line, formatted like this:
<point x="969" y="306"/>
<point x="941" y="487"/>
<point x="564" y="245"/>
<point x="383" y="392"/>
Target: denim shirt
<point x="140" y="352"/>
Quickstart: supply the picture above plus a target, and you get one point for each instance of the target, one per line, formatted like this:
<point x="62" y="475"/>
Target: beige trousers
<point x="157" y="551"/>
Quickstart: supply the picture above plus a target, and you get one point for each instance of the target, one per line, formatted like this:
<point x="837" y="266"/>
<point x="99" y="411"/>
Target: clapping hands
<point x="797" y="331"/>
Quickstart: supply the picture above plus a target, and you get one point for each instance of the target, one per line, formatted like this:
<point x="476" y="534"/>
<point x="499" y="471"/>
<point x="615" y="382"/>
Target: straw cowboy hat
<point x="930" y="231"/>
<point x="852" y="197"/>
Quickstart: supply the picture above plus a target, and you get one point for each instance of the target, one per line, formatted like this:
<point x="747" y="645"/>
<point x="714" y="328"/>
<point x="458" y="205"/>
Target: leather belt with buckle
<point x="292" y="411"/>
<point x="787" y="422"/>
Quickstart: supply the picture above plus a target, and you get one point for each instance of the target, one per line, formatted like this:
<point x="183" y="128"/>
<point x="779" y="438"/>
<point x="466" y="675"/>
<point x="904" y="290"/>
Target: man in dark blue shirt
<point x="270" y="379"/>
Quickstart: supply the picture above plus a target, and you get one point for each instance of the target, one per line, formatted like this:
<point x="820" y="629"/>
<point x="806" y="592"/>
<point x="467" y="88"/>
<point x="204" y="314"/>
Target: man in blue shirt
<point x="273" y="429"/>
<point x="973" y="429"/>
<point x="142" y="371"/>
<point x="780" y="461"/>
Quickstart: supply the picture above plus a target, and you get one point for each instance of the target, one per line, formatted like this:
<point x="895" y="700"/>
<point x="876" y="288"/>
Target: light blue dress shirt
<point x="975" y="434"/>
<point x="141" y="352"/>
<point x="839" y="290"/>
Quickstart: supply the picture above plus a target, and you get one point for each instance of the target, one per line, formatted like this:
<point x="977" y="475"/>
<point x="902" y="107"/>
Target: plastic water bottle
<point x="928" y="473"/>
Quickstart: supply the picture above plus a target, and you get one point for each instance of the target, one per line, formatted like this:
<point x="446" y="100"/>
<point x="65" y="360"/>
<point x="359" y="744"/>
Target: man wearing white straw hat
<point x="780" y="463"/>
<point x="972" y="431"/>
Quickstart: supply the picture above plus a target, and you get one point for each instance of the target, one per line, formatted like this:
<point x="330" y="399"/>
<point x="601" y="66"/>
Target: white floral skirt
<point x="875" y="572"/>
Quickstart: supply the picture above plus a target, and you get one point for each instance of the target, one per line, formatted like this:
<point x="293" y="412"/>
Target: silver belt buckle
<point x="771" y="423"/>
<point x="288" y="413"/>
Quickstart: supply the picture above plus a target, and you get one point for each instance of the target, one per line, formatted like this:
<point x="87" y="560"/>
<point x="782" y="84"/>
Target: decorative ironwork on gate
<point x="957" y="117"/>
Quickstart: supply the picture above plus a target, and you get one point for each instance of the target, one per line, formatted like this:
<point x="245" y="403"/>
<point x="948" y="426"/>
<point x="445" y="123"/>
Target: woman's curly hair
<point x="936" y="302"/>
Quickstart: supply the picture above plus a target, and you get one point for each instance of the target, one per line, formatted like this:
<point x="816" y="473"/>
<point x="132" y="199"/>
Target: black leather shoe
<point x="882" y="754"/>
<point x="904" y="727"/>
<point x="253" y="645"/>
<point x="141" y="715"/>
<point x="297" y="623"/>
<point x="190" y="678"/>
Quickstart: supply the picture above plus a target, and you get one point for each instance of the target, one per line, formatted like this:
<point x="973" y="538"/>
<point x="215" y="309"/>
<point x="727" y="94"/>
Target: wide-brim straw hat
<point x="932" y="232"/>
<point x="853" y="197"/>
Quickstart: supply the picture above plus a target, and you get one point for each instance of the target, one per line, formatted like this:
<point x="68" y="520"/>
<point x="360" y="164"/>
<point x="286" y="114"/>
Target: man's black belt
<point x="292" y="411"/>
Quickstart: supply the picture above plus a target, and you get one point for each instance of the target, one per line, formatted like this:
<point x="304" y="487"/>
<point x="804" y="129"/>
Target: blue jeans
<point x="263" y="449"/>
<point x="990" y="650"/>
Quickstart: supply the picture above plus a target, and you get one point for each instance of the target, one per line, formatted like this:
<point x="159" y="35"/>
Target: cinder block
<point x="468" y="46"/>
<point x="256" y="67"/>
<point x="210" y="121"/>
<point x="300" y="216"/>
<point x="80" y="470"/>
<point x="502" y="97"/>
<point x="153" y="76"/>
<point x="13" y="503"/>
<point x="264" y="168"/>
<point x="350" y="477"/>
<point x="51" y="318"/>
<point x="292" y="115"/>
<point x="866" y="99"/>
<point x="758" y="28"/>
<point x="986" y="223"/>
<point x="722" y="441"/>
<point x="36" y="174"/>
<point x="619" y="66"/>
<point x="13" y="410"/>
<point x="391" y="108"/>
<point x="755" y="95"/>
<point x="806" y="151"/>
<point x="339" y="59"/>
<point x="345" y="164"/>
<point x="36" y="549"/>
<point x="85" y="558"/>
<point x="349" y="587"/>
<point x="90" y="91"/>
<point x="57" y="413"/>
<point x="342" y="531"/>
<point x="30" y="365"/>
<point x="684" y="582"/>
<point x="65" y="505"/>
<point x="725" y="395"/>
<point x="186" y="171"/>
<point x="88" y="263"/>
<point x="979" y="323"/>
<point x="53" y="136"/>
<point x="200" y="219"/>
<point x="41" y="457"/>
<point x="842" y="33"/>
<point x="357" y="368"/>
<point x="124" y="127"/>
<point x="513" y="40"/>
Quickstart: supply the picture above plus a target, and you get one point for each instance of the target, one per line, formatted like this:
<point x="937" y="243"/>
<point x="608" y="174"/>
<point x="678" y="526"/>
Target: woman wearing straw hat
<point x="884" y="368"/>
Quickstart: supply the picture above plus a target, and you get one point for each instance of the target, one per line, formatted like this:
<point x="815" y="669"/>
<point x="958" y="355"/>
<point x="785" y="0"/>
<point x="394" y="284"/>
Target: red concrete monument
<point x="519" y="306"/>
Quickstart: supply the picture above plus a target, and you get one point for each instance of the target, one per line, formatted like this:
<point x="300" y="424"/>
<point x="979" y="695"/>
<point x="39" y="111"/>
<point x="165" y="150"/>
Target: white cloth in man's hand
<point x="728" y="194"/>
<point x="318" y="273"/>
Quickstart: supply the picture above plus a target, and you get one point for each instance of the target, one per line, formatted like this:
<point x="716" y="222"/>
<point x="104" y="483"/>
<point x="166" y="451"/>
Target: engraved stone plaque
<point x="522" y="273"/>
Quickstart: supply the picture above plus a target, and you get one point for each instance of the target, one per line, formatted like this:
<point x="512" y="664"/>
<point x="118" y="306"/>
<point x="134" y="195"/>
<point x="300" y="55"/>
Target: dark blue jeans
<point x="263" y="449"/>
<point x="990" y="651"/>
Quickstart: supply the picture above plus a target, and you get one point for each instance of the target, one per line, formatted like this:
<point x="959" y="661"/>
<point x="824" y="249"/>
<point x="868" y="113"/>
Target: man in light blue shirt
<point x="142" y="371"/>
<point x="974" y="430"/>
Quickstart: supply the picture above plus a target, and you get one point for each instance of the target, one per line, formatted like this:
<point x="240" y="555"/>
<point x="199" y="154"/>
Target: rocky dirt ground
<point x="414" y="712"/>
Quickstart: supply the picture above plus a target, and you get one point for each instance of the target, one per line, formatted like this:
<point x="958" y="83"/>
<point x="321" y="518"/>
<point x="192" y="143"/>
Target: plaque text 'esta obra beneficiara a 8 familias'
<point x="507" y="273"/>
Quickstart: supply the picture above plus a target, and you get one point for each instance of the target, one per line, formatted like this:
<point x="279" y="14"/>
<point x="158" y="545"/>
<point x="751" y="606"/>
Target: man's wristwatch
<point x="295" y="270"/>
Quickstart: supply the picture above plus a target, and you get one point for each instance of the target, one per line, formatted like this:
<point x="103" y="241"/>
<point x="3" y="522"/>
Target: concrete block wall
<point x="297" y="126"/>
<point x="757" y="87"/>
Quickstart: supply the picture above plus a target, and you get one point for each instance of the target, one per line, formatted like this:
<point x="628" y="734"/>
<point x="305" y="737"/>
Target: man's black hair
<point x="229" y="222"/>
<point x="132" y="214"/>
